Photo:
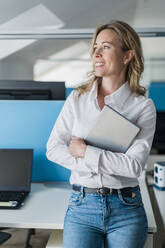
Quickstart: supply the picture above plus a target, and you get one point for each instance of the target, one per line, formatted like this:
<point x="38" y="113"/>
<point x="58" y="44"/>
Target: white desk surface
<point x="46" y="205"/>
<point x="147" y="205"/>
<point x="44" y="208"/>
<point x="160" y="197"/>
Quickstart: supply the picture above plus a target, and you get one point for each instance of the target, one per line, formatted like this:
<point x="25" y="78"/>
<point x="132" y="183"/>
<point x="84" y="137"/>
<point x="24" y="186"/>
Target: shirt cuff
<point x="92" y="156"/>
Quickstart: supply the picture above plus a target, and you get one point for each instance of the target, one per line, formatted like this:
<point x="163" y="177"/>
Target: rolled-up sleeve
<point x="131" y="163"/>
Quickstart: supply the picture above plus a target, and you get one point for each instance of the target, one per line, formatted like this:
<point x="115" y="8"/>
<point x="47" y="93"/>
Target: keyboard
<point x="11" y="196"/>
<point x="11" y="199"/>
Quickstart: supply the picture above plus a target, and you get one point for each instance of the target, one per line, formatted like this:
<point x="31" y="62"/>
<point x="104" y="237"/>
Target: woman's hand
<point x="77" y="147"/>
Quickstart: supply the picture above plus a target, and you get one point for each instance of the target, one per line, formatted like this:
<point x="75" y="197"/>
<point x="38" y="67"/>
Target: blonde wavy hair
<point x="129" y="41"/>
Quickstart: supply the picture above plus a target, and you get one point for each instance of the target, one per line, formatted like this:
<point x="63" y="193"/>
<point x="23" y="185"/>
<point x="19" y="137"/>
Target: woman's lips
<point x="99" y="64"/>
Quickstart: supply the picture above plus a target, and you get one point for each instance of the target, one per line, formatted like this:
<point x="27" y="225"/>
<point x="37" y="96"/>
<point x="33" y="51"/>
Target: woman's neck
<point x="109" y="86"/>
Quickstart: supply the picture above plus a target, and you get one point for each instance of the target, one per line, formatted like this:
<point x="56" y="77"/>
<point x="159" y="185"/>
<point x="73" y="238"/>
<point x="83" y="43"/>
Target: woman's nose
<point x="98" y="52"/>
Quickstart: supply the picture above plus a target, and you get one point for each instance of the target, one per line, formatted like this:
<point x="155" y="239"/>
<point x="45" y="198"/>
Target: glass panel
<point x="68" y="60"/>
<point x="154" y="58"/>
<point x="45" y="60"/>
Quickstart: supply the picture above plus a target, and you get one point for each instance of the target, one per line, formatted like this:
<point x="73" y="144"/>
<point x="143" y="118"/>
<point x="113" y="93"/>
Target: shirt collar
<point x="117" y="98"/>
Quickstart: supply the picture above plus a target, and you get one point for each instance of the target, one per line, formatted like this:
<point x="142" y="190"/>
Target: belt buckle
<point x="100" y="191"/>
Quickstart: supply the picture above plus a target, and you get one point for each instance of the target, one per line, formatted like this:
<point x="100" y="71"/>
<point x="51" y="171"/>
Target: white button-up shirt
<point x="101" y="167"/>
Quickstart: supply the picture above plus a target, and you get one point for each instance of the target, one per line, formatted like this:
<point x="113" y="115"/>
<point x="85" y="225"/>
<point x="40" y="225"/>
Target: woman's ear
<point x="128" y="56"/>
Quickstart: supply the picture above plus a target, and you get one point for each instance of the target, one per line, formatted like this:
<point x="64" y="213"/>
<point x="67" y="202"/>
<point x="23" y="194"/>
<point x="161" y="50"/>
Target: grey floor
<point x="18" y="239"/>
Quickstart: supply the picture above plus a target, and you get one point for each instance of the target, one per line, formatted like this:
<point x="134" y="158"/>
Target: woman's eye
<point x="106" y="47"/>
<point x="94" y="49"/>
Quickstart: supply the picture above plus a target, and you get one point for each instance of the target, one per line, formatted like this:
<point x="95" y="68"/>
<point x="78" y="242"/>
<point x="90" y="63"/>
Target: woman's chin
<point x="99" y="74"/>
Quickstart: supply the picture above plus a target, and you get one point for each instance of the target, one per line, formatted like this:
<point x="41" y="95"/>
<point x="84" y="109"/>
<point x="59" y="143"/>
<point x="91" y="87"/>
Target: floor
<point x="18" y="239"/>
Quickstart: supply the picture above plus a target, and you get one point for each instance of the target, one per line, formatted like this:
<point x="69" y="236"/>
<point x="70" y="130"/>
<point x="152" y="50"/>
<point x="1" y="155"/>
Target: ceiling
<point x="88" y="14"/>
<point x="44" y="15"/>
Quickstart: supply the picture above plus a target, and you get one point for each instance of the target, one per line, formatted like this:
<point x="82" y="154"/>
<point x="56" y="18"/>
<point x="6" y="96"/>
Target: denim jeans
<point x="113" y="220"/>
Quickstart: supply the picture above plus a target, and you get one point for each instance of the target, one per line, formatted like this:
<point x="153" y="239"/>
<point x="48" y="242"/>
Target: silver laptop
<point x="112" y="131"/>
<point x="15" y="176"/>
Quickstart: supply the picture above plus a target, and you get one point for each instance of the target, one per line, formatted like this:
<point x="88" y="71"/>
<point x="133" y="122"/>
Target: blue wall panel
<point x="156" y="91"/>
<point x="68" y="91"/>
<point x="27" y="124"/>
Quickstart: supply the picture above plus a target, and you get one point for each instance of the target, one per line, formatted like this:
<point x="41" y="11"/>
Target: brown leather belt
<point x="126" y="192"/>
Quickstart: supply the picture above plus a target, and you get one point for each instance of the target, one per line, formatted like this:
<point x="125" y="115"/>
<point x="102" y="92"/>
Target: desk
<point x="158" y="202"/>
<point x="160" y="198"/>
<point x="44" y="208"/>
<point x="46" y="205"/>
<point x="159" y="195"/>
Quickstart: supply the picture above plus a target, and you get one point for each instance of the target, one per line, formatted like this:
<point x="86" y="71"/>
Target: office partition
<point x="27" y="124"/>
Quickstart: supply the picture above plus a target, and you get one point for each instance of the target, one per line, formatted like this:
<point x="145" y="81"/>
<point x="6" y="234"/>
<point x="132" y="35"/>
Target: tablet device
<point x="112" y="131"/>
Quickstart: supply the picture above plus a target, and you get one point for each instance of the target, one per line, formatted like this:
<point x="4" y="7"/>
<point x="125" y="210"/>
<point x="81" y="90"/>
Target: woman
<point x="106" y="205"/>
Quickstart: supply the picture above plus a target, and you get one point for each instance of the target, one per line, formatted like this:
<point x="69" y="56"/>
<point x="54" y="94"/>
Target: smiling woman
<point x="110" y="61"/>
<point x="108" y="58"/>
<point x="106" y="204"/>
<point x="126" y="46"/>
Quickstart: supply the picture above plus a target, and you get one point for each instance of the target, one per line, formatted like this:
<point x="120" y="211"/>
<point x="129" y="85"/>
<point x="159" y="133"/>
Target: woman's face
<point x="108" y="58"/>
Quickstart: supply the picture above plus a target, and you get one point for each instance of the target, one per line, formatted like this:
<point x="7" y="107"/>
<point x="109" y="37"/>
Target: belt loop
<point x="82" y="191"/>
<point x="119" y="193"/>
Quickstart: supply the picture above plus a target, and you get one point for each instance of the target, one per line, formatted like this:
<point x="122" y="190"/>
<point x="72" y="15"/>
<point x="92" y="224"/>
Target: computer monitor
<point x="31" y="90"/>
<point x="159" y="137"/>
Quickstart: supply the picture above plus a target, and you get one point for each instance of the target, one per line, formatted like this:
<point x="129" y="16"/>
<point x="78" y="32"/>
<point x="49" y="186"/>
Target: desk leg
<point x="30" y="232"/>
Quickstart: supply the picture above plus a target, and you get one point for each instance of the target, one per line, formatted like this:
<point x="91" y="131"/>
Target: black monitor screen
<point x="159" y="137"/>
<point x="16" y="169"/>
<point x="31" y="90"/>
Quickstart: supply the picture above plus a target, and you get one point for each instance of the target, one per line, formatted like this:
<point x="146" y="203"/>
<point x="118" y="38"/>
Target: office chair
<point x="4" y="237"/>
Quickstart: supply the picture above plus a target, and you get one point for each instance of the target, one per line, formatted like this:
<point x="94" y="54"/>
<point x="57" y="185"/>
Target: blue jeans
<point x="113" y="220"/>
